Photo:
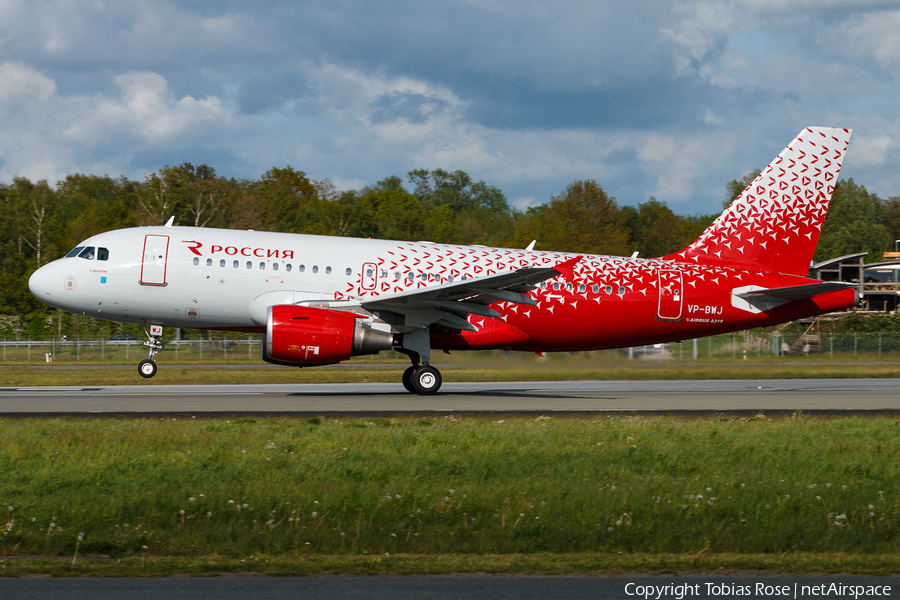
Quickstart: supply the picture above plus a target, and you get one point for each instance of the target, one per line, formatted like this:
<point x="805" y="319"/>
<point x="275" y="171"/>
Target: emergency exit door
<point x="153" y="266"/>
<point x="671" y="295"/>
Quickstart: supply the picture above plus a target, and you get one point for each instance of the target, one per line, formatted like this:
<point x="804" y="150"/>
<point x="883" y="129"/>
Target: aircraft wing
<point x="451" y="303"/>
<point x="767" y="299"/>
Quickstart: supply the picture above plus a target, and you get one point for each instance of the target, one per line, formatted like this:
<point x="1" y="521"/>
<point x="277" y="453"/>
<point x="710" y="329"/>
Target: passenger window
<point x="411" y="277"/>
<point x="568" y="287"/>
<point x="301" y="268"/>
<point x="450" y="279"/>
<point x="424" y="276"/>
<point x="596" y="289"/>
<point x="249" y="264"/>
<point x="208" y="262"/>
<point x="315" y="268"/>
<point x="328" y="270"/>
<point x="262" y="266"/>
<point x="609" y="289"/>
<point x="87" y="253"/>
<point x="581" y="287"/>
<point x="384" y="274"/>
<point x="196" y="261"/>
<point x="236" y="264"/>
<point x="621" y="291"/>
<point x="74" y="252"/>
<point x="368" y="272"/>
<point x="102" y="254"/>
<point x="349" y="271"/>
<point x="396" y="275"/>
<point x="556" y="285"/>
<point x="222" y="263"/>
<point x="274" y="266"/>
<point x="287" y="267"/>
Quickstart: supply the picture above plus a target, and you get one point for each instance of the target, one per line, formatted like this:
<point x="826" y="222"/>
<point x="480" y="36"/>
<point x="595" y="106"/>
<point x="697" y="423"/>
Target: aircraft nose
<point x="40" y="283"/>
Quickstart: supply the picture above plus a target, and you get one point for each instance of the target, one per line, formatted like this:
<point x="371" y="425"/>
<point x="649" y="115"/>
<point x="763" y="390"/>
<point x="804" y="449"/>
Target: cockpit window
<point x="87" y="253"/>
<point x="102" y="254"/>
<point x="74" y="252"/>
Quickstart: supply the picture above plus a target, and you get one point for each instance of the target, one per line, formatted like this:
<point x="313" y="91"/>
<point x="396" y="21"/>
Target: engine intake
<point x="303" y="336"/>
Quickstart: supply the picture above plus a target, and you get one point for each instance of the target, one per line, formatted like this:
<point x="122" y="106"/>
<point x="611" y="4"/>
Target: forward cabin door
<point x="671" y="295"/>
<point x="156" y="253"/>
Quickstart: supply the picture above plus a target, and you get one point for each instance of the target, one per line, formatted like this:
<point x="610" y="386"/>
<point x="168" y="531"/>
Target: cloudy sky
<point x="669" y="98"/>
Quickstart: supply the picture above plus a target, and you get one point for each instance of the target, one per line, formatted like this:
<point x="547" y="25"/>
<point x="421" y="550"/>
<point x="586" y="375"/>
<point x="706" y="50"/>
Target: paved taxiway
<point x="568" y="396"/>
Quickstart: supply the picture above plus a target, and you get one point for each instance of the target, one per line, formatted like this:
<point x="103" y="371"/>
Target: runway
<point x="844" y="396"/>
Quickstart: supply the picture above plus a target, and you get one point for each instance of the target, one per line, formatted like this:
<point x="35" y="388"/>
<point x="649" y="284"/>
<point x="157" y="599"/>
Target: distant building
<point x="879" y="283"/>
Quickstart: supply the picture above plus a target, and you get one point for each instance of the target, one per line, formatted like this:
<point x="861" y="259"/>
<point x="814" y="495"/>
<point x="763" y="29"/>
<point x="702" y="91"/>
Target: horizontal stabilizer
<point x="767" y="299"/>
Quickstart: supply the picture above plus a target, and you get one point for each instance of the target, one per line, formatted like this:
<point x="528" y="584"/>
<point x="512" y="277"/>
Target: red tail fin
<point x="775" y="223"/>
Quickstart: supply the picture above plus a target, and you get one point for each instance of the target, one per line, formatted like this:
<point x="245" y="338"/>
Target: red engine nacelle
<point x="304" y="336"/>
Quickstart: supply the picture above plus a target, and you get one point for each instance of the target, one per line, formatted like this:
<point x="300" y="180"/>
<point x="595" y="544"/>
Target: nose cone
<point x="41" y="282"/>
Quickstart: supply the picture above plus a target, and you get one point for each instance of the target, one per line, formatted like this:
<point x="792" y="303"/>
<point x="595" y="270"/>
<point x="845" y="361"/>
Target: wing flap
<point x="426" y="306"/>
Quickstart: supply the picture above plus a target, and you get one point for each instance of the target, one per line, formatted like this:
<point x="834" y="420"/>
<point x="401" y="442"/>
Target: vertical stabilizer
<point x="775" y="223"/>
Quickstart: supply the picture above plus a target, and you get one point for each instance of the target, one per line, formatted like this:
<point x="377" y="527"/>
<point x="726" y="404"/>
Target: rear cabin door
<point x="153" y="266"/>
<point x="671" y="295"/>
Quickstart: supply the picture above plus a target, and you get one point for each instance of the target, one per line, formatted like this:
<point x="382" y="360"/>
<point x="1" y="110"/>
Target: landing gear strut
<point x="147" y="367"/>
<point x="422" y="379"/>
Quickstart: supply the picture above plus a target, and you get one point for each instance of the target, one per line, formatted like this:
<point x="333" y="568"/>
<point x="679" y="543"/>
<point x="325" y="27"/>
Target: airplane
<point x="319" y="300"/>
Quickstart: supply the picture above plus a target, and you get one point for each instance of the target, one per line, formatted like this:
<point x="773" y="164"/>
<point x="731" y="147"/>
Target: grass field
<point x="482" y="366"/>
<point x="657" y="494"/>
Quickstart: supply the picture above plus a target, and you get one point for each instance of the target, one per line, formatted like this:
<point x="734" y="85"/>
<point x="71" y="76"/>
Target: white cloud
<point x="47" y="135"/>
<point x="678" y="164"/>
<point x="21" y="83"/>
<point x="146" y="108"/>
<point x="875" y="35"/>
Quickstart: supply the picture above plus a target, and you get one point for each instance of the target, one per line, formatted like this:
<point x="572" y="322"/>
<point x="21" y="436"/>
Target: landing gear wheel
<point x="407" y="379"/>
<point x="147" y="368"/>
<point x="426" y="380"/>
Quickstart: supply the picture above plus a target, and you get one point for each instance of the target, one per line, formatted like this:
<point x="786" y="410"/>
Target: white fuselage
<point x="225" y="279"/>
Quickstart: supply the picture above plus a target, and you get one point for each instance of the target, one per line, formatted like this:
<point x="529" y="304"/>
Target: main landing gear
<point x="147" y="367"/>
<point x="421" y="379"/>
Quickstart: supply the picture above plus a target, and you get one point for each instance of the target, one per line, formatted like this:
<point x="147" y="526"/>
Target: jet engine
<point x="304" y="336"/>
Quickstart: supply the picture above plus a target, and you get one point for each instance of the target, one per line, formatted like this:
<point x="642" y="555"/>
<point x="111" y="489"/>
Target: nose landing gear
<point x="147" y="367"/>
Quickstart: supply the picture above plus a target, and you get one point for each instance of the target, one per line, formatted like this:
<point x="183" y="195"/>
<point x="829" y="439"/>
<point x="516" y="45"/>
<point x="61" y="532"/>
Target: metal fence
<point x="743" y="345"/>
<point x="55" y="350"/>
<point x="737" y="346"/>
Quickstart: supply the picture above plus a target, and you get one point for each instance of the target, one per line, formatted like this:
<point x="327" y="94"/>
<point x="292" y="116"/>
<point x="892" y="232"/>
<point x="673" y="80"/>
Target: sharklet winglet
<point x="567" y="268"/>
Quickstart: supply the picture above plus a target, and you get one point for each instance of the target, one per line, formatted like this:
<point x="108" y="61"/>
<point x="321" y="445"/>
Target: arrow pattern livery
<point x="319" y="300"/>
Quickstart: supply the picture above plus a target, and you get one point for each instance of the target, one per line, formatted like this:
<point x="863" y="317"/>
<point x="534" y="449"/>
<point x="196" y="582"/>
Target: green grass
<point x="403" y="494"/>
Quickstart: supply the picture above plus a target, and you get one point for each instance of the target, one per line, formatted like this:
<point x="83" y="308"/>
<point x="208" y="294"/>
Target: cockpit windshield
<point x="87" y="252"/>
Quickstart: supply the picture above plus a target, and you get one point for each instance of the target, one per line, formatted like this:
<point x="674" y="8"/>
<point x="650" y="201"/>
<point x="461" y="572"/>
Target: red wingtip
<point x="567" y="268"/>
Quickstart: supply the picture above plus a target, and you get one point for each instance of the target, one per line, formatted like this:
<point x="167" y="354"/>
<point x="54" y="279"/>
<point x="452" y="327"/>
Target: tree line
<point x="40" y="223"/>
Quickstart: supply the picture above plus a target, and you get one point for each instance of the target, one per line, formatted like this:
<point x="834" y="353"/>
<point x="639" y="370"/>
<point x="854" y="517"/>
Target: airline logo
<point x="195" y="247"/>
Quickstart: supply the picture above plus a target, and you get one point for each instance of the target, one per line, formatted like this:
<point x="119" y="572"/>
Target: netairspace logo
<point x="756" y="590"/>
